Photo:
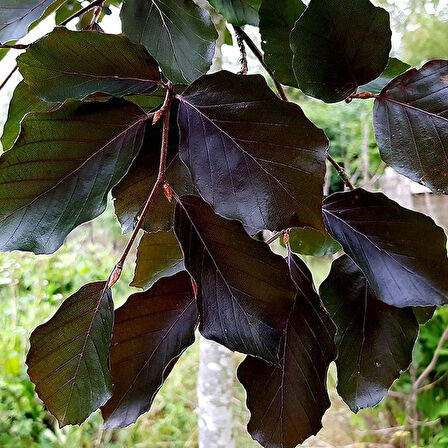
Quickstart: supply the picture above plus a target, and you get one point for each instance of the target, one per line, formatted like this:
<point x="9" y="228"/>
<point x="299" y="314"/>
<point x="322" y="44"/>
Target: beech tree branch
<point x="15" y="46"/>
<point x="160" y="182"/>
<point x="8" y="77"/>
<point x="242" y="47"/>
<point x="82" y="11"/>
<point x="344" y="176"/>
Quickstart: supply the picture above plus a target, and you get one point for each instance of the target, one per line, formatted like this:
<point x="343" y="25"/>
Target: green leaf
<point x="61" y="168"/>
<point x="131" y="193"/>
<point x="401" y="252"/>
<point x="252" y="156"/>
<point x="158" y="255"/>
<point x="238" y="12"/>
<point x="245" y="293"/>
<point x="66" y="10"/>
<point x="411" y="125"/>
<point x="23" y="102"/>
<point x="277" y="19"/>
<point x="16" y="16"/>
<point x="152" y="329"/>
<point x="75" y="64"/>
<point x="374" y="340"/>
<point x="307" y="241"/>
<point x="178" y="33"/>
<point x="68" y="357"/>
<point x="287" y="401"/>
<point x="339" y="45"/>
<point x="394" y="68"/>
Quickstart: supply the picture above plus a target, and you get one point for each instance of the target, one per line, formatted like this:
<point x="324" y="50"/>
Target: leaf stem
<point x="160" y="181"/>
<point x="341" y="172"/>
<point x="257" y="53"/>
<point x="82" y="11"/>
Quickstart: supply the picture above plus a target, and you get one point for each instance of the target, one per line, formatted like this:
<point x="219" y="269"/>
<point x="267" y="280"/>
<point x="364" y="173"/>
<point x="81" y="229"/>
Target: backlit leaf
<point x="374" y="340"/>
<point x="16" y="16"/>
<point x="287" y="401"/>
<point x="178" y="33"/>
<point x="339" y="45"/>
<point x="151" y="331"/>
<point x="61" y="168"/>
<point x="277" y="19"/>
<point x="401" y="252"/>
<point x="244" y="291"/>
<point x="411" y="125"/>
<point x="308" y="241"/>
<point x="253" y="157"/>
<point x="68" y="357"/>
<point x="75" y="64"/>
<point x="158" y="255"/>
<point x="238" y="12"/>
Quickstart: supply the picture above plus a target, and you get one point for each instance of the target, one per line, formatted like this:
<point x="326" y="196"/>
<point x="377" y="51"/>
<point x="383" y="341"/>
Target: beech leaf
<point x="287" y="401"/>
<point x="245" y="294"/>
<point x="68" y="357"/>
<point x="61" y="168"/>
<point x="277" y="19"/>
<point x="16" y="16"/>
<point x="411" y="125"/>
<point x="374" y="340"/>
<point x="351" y="41"/>
<point x="158" y="255"/>
<point x="252" y="156"/>
<point x="75" y="64"/>
<point x="152" y="329"/>
<point x="238" y="12"/>
<point x="401" y="252"/>
<point x="308" y="241"/>
<point x="178" y="33"/>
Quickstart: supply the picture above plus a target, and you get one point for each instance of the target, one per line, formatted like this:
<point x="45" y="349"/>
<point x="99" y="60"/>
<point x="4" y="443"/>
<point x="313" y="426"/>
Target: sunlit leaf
<point x="151" y="331"/>
<point x="401" y="252"/>
<point x="411" y="125"/>
<point x="253" y="157"/>
<point x="374" y="340"/>
<point x="68" y="357"/>
<point x="287" y="401"/>
<point x="308" y="241"/>
<point x="244" y="291"/>
<point x="61" y="168"/>
<point x="238" y="12"/>
<point x="178" y="33"/>
<point x="339" y="45"/>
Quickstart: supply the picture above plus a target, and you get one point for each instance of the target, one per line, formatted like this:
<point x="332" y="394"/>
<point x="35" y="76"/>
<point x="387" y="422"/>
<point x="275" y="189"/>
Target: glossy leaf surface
<point x="277" y="19"/>
<point x="287" y="402"/>
<point x="411" y="125"/>
<point x="374" y="340"/>
<point x="178" y="33"/>
<point x="16" y="16"/>
<point x="68" y="357"/>
<point x="158" y="255"/>
<point x="75" y="64"/>
<point x="151" y="331"/>
<point x="61" y="168"/>
<point x="131" y="193"/>
<point x="401" y="252"/>
<point x="238" y="12"/>
<point x="244" y="291"/>
<point x="254" y="157"/>
<point x="339" y="45"/>
<point x="308" y="241"/>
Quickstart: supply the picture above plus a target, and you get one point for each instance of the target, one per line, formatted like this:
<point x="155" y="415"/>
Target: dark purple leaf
<point x="287" y="401"/>
<point x="374" y="340"/>
<point x="253" y="157"/>
<point x="339" y="45"/>
<point x="401" y="252"/>
<point x="152" y="329"/>
<point x="411" y="125"/>
<point x="244" y="291"/>
<point x="68" y="357"/>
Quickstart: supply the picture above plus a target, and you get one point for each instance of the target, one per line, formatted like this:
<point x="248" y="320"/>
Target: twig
<point x="242" y="47"/>
<point x="433" y="384"/>
<point x="9" y="77"/>
<point x="274" y="237"/>
<point x="160" y="181"/>
<point x="15" y="46"/>
<point x="82" y="11"/>
<point x="341" y="172"/>
<point x="259" y="56"/>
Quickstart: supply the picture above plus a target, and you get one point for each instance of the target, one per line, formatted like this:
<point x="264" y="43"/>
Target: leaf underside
<point x="238" y="12"/>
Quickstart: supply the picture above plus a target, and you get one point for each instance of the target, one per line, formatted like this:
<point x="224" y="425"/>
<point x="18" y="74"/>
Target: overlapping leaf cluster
<point x="239" y="160"/>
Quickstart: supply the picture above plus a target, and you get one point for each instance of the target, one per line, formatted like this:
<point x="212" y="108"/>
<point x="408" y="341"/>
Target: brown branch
<point x="8" y="77"/>
<point x="257" y="53"/>
<point x="242" y="47"/>
<point x="344" y="176"/>
<point x="160" y="181"/>
<point x="274" y="237"/>
<point x="15" y="46"/>
<point x="82" y="11"/>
